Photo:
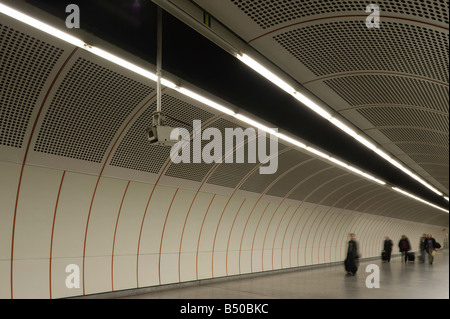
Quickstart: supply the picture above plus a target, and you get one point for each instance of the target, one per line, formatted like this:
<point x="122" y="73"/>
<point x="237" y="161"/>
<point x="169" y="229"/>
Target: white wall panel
<point x="100" y="234"/>
<point x="207" y="236"/>
<point x="235" y="235"/>
<point x="172" y="235"/>
<point x="34" y="220"/>
<point x="151" y="236"/>
<point x="190" y="243"/>
<point x="221" y="239"/>
<point x="258" y="237"/>
<point x="248" y="235"/>
<point x="9" y="178"/>
<point x="174" y="246"/>
<point x="127" y="235"/>
<point x="69" y="230"/>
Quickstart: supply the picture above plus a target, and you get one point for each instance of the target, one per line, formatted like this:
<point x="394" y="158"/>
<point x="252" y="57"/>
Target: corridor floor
<point x="397" y="281"/>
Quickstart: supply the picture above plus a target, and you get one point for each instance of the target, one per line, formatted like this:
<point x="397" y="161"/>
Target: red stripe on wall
<point x="25" y="160"/>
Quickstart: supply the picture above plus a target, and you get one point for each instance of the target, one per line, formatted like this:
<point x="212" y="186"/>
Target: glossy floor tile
<point x="397" y="281"/>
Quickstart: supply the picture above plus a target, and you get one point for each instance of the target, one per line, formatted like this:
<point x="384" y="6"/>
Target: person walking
<point x="430" y="247"/>
<point x="404" y="246"/>
<point x="422" y="248"/>
<point x="352" y="260"/>
<point x="387" y="249"/>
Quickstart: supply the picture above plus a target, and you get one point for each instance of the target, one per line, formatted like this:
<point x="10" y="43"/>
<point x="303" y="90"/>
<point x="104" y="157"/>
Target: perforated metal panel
<point x="351" y="202"/>
<point x="416" y="147"/>
<point x="198" y="171"/>
<point x="315" y="184"/>
<point x="136" y="153"/>
<point x="391" y="90"/>
<point x="258" y="183"/>
<point x="328" y="189"/>
<point x="395" y="47"/>
<point x="190" y="171"/>
<point x="25" y="65"/>
<point x="405" y="117"/>
<point x="268" y="14"/>
<point x="338" y="196"/>
<point x="230" y="174"/>
<point x="410" y="134"/>
<point x="90" y="105"/>
<point x="284" y="185"/>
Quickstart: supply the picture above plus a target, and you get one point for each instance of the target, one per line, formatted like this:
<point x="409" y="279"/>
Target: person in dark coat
<point x="387" y="248"/>
<point x="430" y="247"/>
<point x="352" y="260"/>
<point x="422" y="248"/>
<point x="404" y="246"/>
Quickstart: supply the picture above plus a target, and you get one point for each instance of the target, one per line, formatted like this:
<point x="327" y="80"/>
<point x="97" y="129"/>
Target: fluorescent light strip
<point x="206" y="101"/>
<point x="266" y="73"/>
<point x="331" y="159"/>
<point x="365" y="142"/>
<point x="419" y="199"/>
<point x="343" y="127"/>
<point x="322" y="112"/>
<point x="446" y="198"/>
<point x="245" y="59"/>
<point x="283" y="85"/>
<point x="318" y="153"/>
<point x="40" y="25"/>
<point x="291" y="140"/>
<point x="256" y="124"/>
<point x="123" y="63"/>
<point x="312" y="105"/>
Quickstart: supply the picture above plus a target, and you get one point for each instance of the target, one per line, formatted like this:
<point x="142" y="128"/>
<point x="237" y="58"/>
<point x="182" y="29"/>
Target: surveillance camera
<point x="160" y="135"/>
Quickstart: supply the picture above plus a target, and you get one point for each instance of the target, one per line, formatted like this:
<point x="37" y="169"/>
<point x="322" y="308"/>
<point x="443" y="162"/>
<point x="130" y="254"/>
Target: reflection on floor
<point x="397" y="281"/>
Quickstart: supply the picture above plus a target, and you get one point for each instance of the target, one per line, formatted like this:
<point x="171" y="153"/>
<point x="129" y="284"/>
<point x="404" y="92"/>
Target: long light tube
<point x="266" y="73"/>
<point x="419" y="199"/>
<point x="323" y="113"/>
<point x="41" y="26"/>
<point x="245" y="59"/>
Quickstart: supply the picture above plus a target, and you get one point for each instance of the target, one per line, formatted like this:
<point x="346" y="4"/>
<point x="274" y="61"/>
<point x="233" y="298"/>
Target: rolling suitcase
<point x="411" y="257"/>
<point x="384" y="256"/>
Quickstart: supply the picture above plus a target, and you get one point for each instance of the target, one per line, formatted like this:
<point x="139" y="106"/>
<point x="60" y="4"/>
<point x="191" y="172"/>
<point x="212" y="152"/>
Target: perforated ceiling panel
<point x="190" y="171"/>
<point x="391" y="90"/>
<point x="406" y="117"/>
<point x="136" y="153"/>
<point x="258" y="182"/>
<point x="337" y="197"/>
<point x="284" y="185"/>
<point x="90" y="105"/>
<point x="326" y="46"/>
<point x="229" y="175"/>
<point x="268" y="14"/>
<point x="25" y="65"/>
<point x="328" y="188"/>
<point x="356" y="47"/>
<point x="420" y="135"/>
<point x="317" y="183"/>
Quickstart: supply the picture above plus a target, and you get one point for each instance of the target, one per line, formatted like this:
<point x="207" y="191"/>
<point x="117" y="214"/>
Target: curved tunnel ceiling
<point x="80" y="184"/>
<point x="197" y="60"/>
<point x="84" y="114"/>
<point x="391" y="82"/>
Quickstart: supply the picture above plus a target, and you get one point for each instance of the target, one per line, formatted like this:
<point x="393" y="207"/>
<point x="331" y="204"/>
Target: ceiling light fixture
<point x="41" y="26"/>
<point x="325" y="114"/>
<point x="248" y="61"/>
<point x="419" y="199"/>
